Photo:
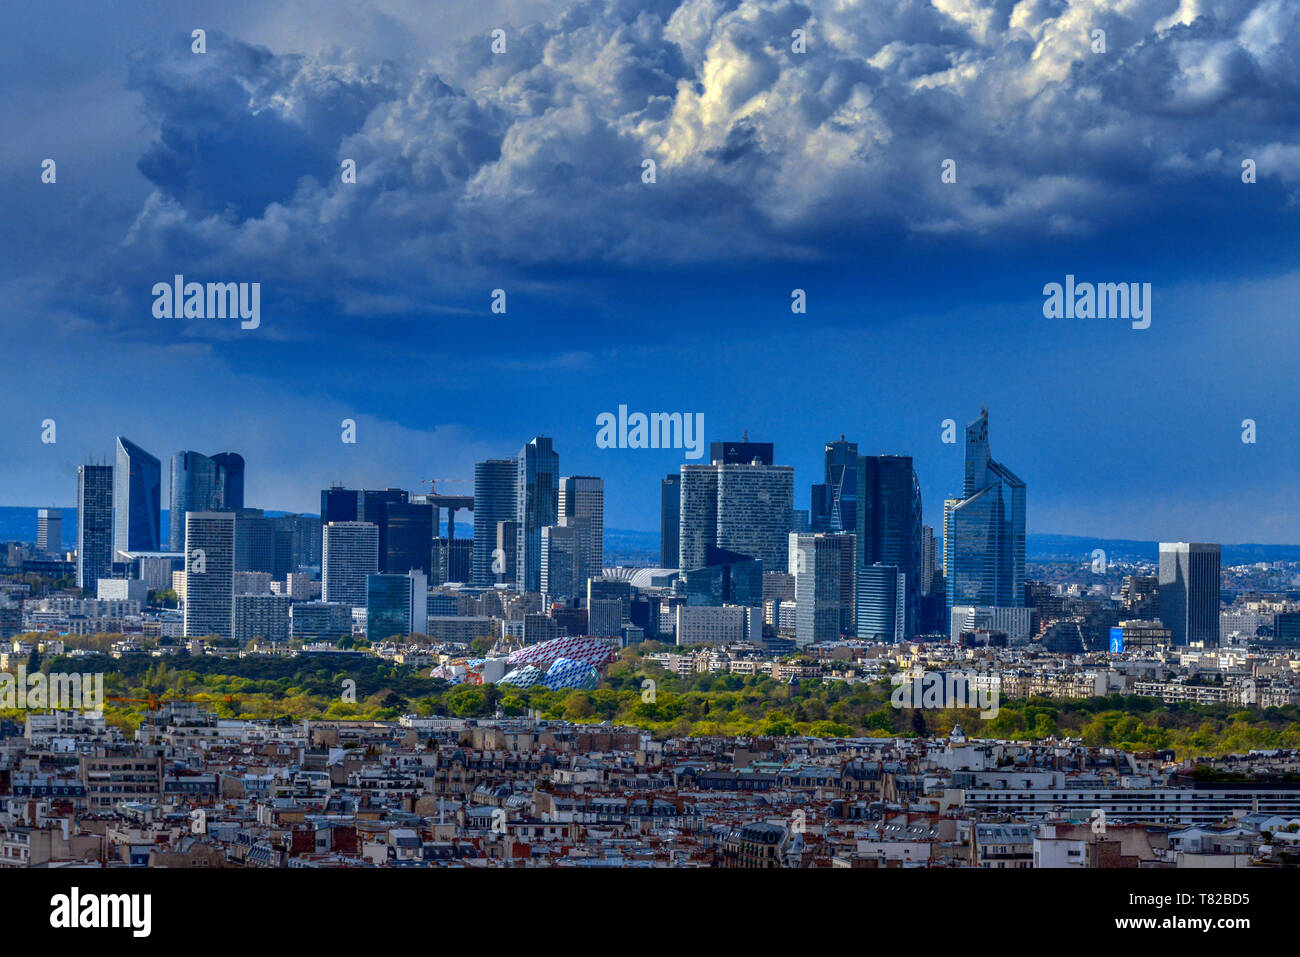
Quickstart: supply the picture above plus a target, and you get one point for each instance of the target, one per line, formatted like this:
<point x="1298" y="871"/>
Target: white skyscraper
<point x="823" y="567"/>
<point x="209" y="574"/>
<point x="349" y="552"/>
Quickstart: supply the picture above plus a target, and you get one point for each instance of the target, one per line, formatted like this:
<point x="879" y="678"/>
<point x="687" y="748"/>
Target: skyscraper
<point x="670" y="520"/>
<point x="564" y="559"/>
<point x="842" y="482"/>
<point x="881" y="603"/>
<point x="338" y="504"/>
<point x="742" y="508"/>
<point x="232" y="471"/>
<point x="137" y="499"/>
<point x="984" y="531"/>
<point x="537" y="489"/>
<point x="409" y="542"/>
<point x="583" y="496"/>
<point x="823" y="568"/>
<point x="494" y="502"/>
<point x="374" y="504"/>
<point x="197" y="485"/>
<point x="396" y="605"/>
<point x="209" y="574"/>
<point x="349" y="552"/>
<point x="889" y="523"/>
<point x="94" y="524"/>
<point x="1189" y="592"/>
<point x="49" y="531"/>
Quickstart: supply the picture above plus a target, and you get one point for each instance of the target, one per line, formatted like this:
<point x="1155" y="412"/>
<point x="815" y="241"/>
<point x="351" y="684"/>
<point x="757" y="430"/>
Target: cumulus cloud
<point x="507" y="164"/>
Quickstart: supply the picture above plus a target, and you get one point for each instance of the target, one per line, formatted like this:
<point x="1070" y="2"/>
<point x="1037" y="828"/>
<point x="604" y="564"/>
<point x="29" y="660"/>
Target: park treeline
<point x="638" y="692"/>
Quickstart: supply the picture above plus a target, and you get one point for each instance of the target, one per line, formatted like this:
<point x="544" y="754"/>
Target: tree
<point x="918" y="723"/>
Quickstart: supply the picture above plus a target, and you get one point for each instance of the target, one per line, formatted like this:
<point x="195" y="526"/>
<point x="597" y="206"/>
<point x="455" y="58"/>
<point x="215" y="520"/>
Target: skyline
<point x="777" y="171"/>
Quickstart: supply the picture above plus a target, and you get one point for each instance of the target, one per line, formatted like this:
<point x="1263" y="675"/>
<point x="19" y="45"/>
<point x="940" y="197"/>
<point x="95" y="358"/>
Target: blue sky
<point x="775" y="171"/>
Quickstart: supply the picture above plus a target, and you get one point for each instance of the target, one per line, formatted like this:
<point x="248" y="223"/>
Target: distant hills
<point x="625" y="546"/>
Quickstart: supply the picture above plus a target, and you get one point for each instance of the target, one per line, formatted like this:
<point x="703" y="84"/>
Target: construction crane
<point x="153" y="701"/>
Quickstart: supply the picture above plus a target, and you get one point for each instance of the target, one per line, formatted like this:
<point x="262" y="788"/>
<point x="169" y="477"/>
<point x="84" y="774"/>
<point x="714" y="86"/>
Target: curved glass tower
<point x="195" y="487"/>
<point x="137" y="495"/>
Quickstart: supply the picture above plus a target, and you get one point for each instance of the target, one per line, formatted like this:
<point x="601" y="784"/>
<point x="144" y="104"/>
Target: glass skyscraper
<point x="670" y="519"/>
<point x="1189" y="592"/>
<point x="494" y="502"/>
<point x="196" y="486"/>
<point x="232" y="468"/>
<point x="537" y="494"/>
<point x="94" y="524"/>
<point x="842" y="485"/>
<point x="209" y="574"/>
<point x="137" y="499"/>
<point x="889" y="524"/>
<point x="984" y="530"/>
<point x="742" y="508"/>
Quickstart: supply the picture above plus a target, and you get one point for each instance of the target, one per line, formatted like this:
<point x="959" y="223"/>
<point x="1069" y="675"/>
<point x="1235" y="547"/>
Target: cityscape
<point x="554" y="437"/>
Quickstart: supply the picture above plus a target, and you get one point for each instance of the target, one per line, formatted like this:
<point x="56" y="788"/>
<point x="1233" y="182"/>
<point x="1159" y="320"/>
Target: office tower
<point x="984" y="530"/>
<point x="564" y="560"/>
<point x="726" y="578"/>
<point x="409" y="542"/>
<point x="604" y="617"/>
<point x="94" y="524"/>
<point x="506" y="553"/>
<point x="537" y="488"/>
<point x="350" y="552"/>
<point x="819" y="511"/>
<point x="889" y="523"/>
<point x="741" y="453"/>
<point x="670" y="520"/>
<point x="742" y="508"/>
<point x="255" y="543"/>
<point x="196" y="486"/>
<point x="1141" y="596"/>
<point x="304" y="546"/>
<point x="396" y="605"/>
<point x="929" y="560"/>
<point x="209" y="574"/>
<point x="49" y="531"/>
<point x="494" y="503"/>
<point x="264" y="617"/>
<point x="842" y="483"/>
<point x="313" y="621"/>
<point x="1189" y="592"/>
<point x="583" y="496"/>
<point x="453" y="560"/>
<point x="137" y="499"/>
<point x="374" y="505"/>
<point x="338" y="504"/>
<point x="231" y="465"/>
<point x="823" y="568"/>
<point x="881" y="603"/>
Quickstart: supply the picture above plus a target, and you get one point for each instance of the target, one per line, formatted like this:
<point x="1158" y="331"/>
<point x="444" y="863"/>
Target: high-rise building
<point x="94" y="524"/>
<point x="1189" y="592"/>
<point x="49" y="531"/>
<point x="338" y="504"/>
<point x="409" y="543"/>
<point x="564" y="560"/>
<point x="726" y="578"/>
<point x="197" y="485"/>
<point x="396" y="605"/>
<point x="209" y="574"/>
<point x="842" y="483"/>
<point x="349" y="553"/>
<point x="889" y="524"/>
<point x="232" y="473"/>
<point x="741" y="453"/>
<point x="261" y="616"/>
<point x="537" y="491"/>
<point x="494" y="503"/>
<point x="374" y="504"/>
<point x="929" y="559"/>
<point x="742" y="508"/>
<point x="320" y="621"/>
<point x="583" y="496"/>
<point x="881" y="603"/>
<point x="670" y="520"/>
<point x="506" y="553"/>
<point x="984" y="531"/>
<point x="137" y="499"/>
<point x="823" y="568"/>
<point x="453" y="560"/>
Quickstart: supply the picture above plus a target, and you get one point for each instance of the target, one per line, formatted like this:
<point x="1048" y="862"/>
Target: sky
<point x="775" y="170"/>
